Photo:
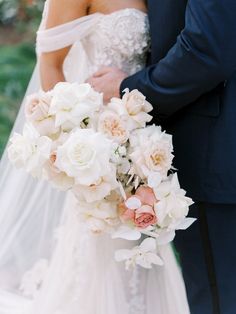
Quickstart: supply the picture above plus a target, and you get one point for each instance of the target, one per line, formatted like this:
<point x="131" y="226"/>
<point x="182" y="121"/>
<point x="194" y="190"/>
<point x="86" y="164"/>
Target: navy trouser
<point x="208" y="256"/>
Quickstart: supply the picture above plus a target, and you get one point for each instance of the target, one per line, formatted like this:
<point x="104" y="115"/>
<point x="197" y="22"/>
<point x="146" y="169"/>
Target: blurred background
<point x="19" y="20"/>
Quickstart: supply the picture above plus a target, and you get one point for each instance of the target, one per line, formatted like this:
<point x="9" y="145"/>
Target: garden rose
<point x="73" y="103"/>
<point x="151" y="151"/>
<point x="138" y="209"/>
<point x="58" y="178"/>
<point x="133" y="108"/>
<point x="37" y="112"/>
<point x="136" y="103"/>
<point x="99" y="216"/>
<point x="29" y="150"/>
<point x="146" y="195"/>
<point x="85" y="156"/>
<point x="97" y="191"/>
<point x="113" y="127"/>
<point x="145" y="216"/>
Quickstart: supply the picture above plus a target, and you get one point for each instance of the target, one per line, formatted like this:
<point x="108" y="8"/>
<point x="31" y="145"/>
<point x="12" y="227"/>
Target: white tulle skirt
<point x="82" y="277"/>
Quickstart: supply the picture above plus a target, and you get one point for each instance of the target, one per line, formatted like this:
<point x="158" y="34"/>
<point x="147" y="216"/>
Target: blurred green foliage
<point x="15" y="11"/>
<point x="17" y="60"/>
<point x="16" y="64"/>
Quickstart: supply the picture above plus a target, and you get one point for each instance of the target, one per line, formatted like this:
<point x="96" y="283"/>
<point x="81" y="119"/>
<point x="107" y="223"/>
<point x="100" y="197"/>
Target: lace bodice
<point x="120" y="39"/>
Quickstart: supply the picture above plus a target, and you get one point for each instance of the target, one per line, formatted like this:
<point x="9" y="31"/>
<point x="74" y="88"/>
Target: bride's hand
<point x="107" y="80"/>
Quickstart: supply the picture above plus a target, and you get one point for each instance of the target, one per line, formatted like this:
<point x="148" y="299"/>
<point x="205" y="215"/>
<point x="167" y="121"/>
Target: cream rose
<point x="85" y="156"/>
<point x="136" y="102"/>
<point x="113" y="127"/>
<point x="37" y="112"/>
<point x="151" y="151"/>
<point x="133" y="108"/>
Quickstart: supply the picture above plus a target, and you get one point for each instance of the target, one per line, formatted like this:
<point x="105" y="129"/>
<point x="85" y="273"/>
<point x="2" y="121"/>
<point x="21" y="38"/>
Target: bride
<point x="49" y="262"/>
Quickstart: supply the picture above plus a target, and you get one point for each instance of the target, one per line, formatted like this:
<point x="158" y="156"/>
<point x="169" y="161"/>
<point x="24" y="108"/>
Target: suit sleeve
<point x="203" y="56"/>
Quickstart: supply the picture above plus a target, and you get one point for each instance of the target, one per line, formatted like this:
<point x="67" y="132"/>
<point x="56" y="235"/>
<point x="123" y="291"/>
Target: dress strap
<point x="64" y="35"/>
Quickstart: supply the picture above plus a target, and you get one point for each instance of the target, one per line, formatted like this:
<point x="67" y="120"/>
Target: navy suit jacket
<point x="191" y="82"/>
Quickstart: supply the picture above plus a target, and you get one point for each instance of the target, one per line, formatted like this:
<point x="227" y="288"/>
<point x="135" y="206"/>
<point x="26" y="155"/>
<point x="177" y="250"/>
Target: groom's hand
<point x="107" y="80"/>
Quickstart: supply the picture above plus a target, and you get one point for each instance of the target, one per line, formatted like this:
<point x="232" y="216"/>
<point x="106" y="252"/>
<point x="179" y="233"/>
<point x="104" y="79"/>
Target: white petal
<point x="185" y="223"/>
<point x="126" y="233"/>
<point x="155" y="259"/>
<point x="122" y="191"/>
<point x="166" y="237"/>
<point x="148" y="245"/>
<point x="154" y="179"/>
<point x="133" y="202"/>
<point x="123" y="255"/>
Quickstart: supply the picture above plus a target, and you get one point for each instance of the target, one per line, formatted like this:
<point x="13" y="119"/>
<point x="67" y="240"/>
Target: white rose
<point x="30" y="150"/>
<point x="99" y="190"/>
<point x="58" y="178"/>
<point x="133" y="107"/>
<point x="37" y="112"/>
<point x="150" y="152"/>
<point x="110" y="124"/>
<point x="85" y="156"/>
<point x="100" y="216"/>
<point x="72" y="103"/>
<point x="172" y="205"/>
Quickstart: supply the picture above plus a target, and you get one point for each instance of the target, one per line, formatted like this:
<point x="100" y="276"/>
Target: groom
<point x="191" y="81"/>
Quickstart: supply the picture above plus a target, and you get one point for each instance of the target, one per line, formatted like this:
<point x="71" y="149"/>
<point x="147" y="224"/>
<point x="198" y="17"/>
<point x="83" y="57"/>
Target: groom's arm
<point x="203" y="56"/>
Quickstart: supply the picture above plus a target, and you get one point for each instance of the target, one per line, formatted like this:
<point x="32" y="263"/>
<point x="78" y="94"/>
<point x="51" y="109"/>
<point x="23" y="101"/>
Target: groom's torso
<point x="166" y="22"/>
<point x="204" y="132"/>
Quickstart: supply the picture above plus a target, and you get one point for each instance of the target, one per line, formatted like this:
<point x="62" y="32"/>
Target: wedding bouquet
<point x="119" y="169"/>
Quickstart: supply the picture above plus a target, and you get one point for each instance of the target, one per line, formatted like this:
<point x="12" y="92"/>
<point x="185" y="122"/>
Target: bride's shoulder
<point x="63" y="11"/>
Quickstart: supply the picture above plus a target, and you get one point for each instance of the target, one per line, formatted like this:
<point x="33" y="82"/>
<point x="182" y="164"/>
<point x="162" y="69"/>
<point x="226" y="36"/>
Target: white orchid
<point x="173" y="205"/>
<point x="143" y="255"/>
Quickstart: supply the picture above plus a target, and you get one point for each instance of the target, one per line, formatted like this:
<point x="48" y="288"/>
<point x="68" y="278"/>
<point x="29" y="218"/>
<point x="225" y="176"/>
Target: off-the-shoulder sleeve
<point x="63" y="35"/>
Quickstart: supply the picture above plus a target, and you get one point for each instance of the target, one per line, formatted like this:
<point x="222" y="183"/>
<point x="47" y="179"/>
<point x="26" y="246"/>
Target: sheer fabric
<point x="49" y="263"/>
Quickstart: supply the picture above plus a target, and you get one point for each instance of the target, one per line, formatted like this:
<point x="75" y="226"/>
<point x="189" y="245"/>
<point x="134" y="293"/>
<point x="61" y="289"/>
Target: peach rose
<point x="145" y="216"/>
<point x="126" y="214"/>
<point x="146" y="195"/>
<point x="111" y="124"/>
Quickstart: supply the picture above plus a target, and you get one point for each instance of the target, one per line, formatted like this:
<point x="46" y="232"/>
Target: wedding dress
<point x="49" y="262"/>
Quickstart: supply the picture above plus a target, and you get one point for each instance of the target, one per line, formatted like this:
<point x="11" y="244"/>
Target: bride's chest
<point x="121" y="39"/>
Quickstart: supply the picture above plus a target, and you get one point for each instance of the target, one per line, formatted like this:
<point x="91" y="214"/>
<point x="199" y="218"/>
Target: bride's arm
<point x="51" y="63"/>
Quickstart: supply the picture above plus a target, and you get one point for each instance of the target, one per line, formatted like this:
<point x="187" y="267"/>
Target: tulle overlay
<point x="49" y="262"/>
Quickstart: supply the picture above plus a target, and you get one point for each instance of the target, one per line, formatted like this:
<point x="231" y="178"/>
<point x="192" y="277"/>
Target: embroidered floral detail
<point x="137" y="302"/>
<point x="33" y="279"/>
<point x="118" y="47"/>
